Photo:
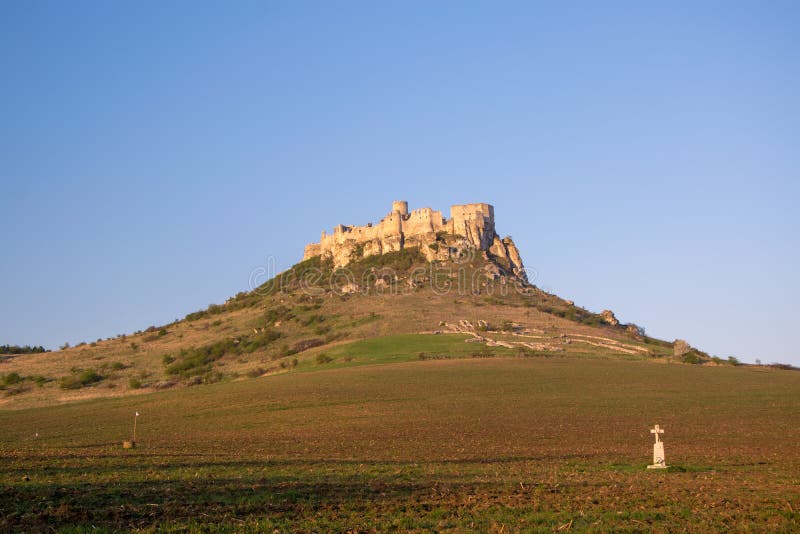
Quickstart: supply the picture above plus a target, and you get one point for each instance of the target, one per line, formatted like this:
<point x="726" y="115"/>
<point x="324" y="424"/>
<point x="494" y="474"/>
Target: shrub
<point x="16" y="390"/>
<point x="196" y="361"/>
<point x="11" y="379"/>
<point x="322" y="330"/>
<point x="323" y="359"/>
<point x="734" y="361"/>
<point x="278" y="313"/>
<point x="255" y="373"/>
<point x="80" y="378"/>
<point x="134" y="383"/>
<point x="294" y="362"/>
<point x="39" y="380"/>
<point x="167" y="359"/>
<point x="312" y="319"/>
<point x="163" y="332"/>
<point x="691" y="357"/>
<point x="306" y="344"/>
<point x="260" y="340"/>
<point x="118" y="366"/>
<point x="357" y="253"/>
<point x="315" y="305"/>
<point x="658" y="342"/>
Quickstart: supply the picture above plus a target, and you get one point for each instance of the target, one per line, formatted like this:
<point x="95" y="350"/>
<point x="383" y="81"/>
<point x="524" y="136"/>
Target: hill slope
<point x="313" y="315"/>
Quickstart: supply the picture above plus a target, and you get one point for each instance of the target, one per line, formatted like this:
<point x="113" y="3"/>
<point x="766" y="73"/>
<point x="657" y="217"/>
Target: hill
<point x="415" y="286"/>
<point x="314" y="315"/>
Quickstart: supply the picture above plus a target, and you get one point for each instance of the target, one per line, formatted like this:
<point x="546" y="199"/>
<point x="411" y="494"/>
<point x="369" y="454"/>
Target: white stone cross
<point x="657" y="430"/>
<point x="658" y="450"/>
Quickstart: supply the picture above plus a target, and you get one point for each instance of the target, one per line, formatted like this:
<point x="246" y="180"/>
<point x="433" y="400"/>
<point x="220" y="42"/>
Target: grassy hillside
<point x="490" y="444"/>
<point x="312" y="316"/>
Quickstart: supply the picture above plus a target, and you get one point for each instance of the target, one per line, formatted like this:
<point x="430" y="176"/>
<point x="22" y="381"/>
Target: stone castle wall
<point x="471" y="223"/>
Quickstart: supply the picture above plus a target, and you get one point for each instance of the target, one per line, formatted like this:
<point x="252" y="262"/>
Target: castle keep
<point x="469" y="226"/>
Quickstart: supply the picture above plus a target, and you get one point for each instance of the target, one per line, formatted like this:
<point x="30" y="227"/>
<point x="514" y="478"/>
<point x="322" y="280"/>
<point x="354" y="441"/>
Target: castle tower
<point x="400" y="206"/>
<point x="475" y="222"/>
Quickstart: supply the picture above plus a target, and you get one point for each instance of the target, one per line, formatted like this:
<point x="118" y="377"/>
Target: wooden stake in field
<point x="131" y="444"/>
<point x="659" y="462"/>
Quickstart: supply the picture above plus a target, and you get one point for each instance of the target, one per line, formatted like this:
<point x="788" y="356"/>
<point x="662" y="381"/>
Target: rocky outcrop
<point x="609" y="318"/>
<point x="680" y="347"/>
<point x="470" y="227"/>
<point x="505" y="252"/>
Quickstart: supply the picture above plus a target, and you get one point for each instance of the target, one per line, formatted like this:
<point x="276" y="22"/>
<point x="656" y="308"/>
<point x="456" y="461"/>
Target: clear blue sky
<point x="644" y="155"/>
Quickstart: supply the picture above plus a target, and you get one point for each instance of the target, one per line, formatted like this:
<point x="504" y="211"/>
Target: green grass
<point x="471" y="444"/>
<point x="407" y="347"/>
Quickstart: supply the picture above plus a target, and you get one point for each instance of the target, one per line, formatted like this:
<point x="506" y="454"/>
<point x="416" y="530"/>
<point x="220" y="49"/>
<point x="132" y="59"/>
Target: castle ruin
<point x="469" y="226"/>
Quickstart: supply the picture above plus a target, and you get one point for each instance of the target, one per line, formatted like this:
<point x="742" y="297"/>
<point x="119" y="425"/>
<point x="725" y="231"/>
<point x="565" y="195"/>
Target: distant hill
<point x="439" y="295"/>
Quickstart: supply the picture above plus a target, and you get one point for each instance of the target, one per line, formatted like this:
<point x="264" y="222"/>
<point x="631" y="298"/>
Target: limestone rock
<point x="499" y="250"/>
<point x="680" y="347"/>
<point x="636" y="330"/>
<point x="609" y="318"/>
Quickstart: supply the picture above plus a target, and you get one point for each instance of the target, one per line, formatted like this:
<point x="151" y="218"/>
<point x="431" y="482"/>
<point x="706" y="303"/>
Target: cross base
<point x="657" y="466"/>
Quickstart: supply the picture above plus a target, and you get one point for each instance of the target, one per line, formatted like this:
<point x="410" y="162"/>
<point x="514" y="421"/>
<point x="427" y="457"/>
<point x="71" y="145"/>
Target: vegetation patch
<point x="278" y="313"/>
<point x="13" y="383"/>
<point x="80" y="378"/>
<point x="572" y="313"/>
<point x="323" y="359"/>
<point x="239" y="301"/>
<point x="17" y="349"/>
<point x="306" y="344"/>
<point x="312" y="319"/>
<point x="197" y="362"/>
<point x="409" y="347"/>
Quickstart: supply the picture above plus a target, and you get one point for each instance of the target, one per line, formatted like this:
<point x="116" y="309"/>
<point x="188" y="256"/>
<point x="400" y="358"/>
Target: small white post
<point x="134" y="426"/>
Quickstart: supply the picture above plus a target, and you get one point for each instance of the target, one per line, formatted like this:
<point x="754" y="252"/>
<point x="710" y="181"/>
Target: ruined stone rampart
<point x="470" y="224"/>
